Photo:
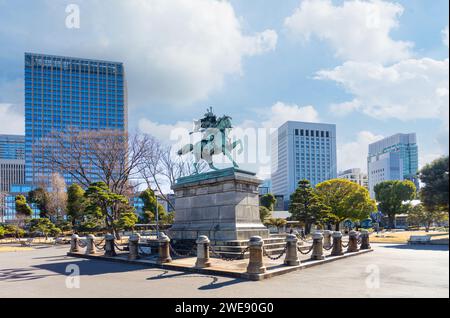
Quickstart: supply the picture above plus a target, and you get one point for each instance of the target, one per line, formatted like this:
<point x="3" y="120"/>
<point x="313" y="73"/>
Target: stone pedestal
<point x="223" y="205"/>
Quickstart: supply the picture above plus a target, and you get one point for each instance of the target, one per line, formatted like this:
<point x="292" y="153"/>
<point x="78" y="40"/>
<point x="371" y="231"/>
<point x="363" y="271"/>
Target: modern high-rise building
<point x="302" y="151"/>
<point x="355" y="175"/>
<point x="69" y="94"/>
<point x="12" y="163"/>
<point x="393" y="158"/>
<point x="12" y="147"/>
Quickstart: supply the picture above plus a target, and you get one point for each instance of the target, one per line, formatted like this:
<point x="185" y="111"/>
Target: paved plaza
<point x="403" y="271"/>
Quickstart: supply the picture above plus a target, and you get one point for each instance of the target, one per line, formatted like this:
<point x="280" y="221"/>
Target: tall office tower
<point x="355" y="175"/>
<point x="12" y="147"/>
<point x="12" y="163"/>
<point x="393" y="158"/>
<point x="68" y="94"/>
<point x="302" y="151"/>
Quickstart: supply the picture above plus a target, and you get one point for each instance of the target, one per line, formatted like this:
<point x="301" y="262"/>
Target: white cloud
<point x="165" y="132"/>
<point x="410" y="89"/>
<point x="357" y="30"/>
<point x="354" y="154"/>
<point x="445" y="36"/>
<point x="174" y="51"/>
<point x="280" y="113"/>
<point x="11" y="122"/>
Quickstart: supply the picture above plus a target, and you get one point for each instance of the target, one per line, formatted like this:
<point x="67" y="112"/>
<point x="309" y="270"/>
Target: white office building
<point x="302" y="151"/>
<point x="355" y="175"/>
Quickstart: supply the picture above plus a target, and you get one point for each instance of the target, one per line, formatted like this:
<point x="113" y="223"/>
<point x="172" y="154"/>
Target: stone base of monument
<point x="223" y="205"/>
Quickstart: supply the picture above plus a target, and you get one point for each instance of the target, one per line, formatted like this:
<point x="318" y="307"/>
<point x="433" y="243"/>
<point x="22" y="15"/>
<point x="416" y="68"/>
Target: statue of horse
<point x="214" y="142"/>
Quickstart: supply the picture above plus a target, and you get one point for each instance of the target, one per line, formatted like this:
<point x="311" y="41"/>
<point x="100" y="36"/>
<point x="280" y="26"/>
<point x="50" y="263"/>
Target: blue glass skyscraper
<point x="65" y="93"/>
<point x="12" y="147"/>
<point x="393" y="158"/>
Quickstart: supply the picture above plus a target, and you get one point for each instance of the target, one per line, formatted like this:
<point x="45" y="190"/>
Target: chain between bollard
<point x="118" y="247"/>
<point x="305" y="253"/>
<point x="228" y="259"/>
<point x="82" y="243"/>
<point x="99" y="245"/>
<point x="275" y="258"/>
<point x="328" y="248"/>
<point x="345" y="245"/>
<point x="190" y="253"/>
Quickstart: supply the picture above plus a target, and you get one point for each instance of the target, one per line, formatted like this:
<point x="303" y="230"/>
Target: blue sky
<point x="258" y="61"/>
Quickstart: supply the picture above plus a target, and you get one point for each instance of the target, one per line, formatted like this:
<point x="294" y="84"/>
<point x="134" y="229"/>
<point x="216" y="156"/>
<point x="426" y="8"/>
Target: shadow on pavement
<point x="418" y="247"/>
<point x="20" y="274"/>
<point x="212" y="285"/>
<point x="89" y="267"/>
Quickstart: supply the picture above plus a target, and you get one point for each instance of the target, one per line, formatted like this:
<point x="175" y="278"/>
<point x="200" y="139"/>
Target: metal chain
<point x="359" y="241"/>
<point x="343" y="245"/>
<point x="328" y="248"/>
<point x="99" y="246"/>
<point x="228" y="259"/>
<point x="177" y="253"/>
<point x="302" y="239"/>
<point x="118" y="247"/>
<point x="274" y="258"/>
<point x="82" y="243"/>
<point x="305" y="253"/>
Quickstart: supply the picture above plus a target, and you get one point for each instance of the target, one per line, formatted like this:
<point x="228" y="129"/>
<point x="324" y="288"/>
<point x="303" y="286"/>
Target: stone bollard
<point x="352" y="242"/>
<point x="164" y="249"/>
<point x="255" y="264"/>
<point x="109" y="245"/>
<point x="133" y="246"/>
<point x="202" y="252"/>
<point x="291" y="251"/>
<point x="327" y="239"/>
<point x="317" y="252"/>
<point x="337" y="244"/>
<point x="74" y="248"/>
<point x="90" y="247"/>
<point x="365" y="244"/>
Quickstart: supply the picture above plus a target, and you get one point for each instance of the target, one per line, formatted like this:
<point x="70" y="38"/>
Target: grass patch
<point x="5" y="249"/>
<point x="403" y="237"/>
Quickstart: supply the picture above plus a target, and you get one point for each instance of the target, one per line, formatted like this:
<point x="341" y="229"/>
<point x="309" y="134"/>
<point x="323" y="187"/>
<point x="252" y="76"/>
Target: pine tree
<point x="306" y="206"/>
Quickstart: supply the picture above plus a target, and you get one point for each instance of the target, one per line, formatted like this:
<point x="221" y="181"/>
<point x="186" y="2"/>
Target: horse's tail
<point x="186" y="149"/>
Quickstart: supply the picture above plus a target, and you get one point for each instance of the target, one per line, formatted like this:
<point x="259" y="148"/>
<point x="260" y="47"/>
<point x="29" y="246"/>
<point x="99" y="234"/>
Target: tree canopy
<point x="111" y="205"/>
<point x="151" y="206"/>
<point x="264" y="213"/>
<point x="22" y="208"/>
<point x="307" y="207"/>
<point x="268" y="201"/>
<point x="435" y="192"/>
<point x="419" y="215"/>
<point x="391" y="196"/>
<point x="346" y="200"/>
<point x="76" y="203"/>
<point x="39" y="196"/>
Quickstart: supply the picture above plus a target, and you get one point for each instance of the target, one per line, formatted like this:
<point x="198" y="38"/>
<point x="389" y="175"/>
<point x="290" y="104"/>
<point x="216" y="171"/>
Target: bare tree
<point x="111" y="156"/>
<point x="57" y="197"/>
<point x="162" y="167"/>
